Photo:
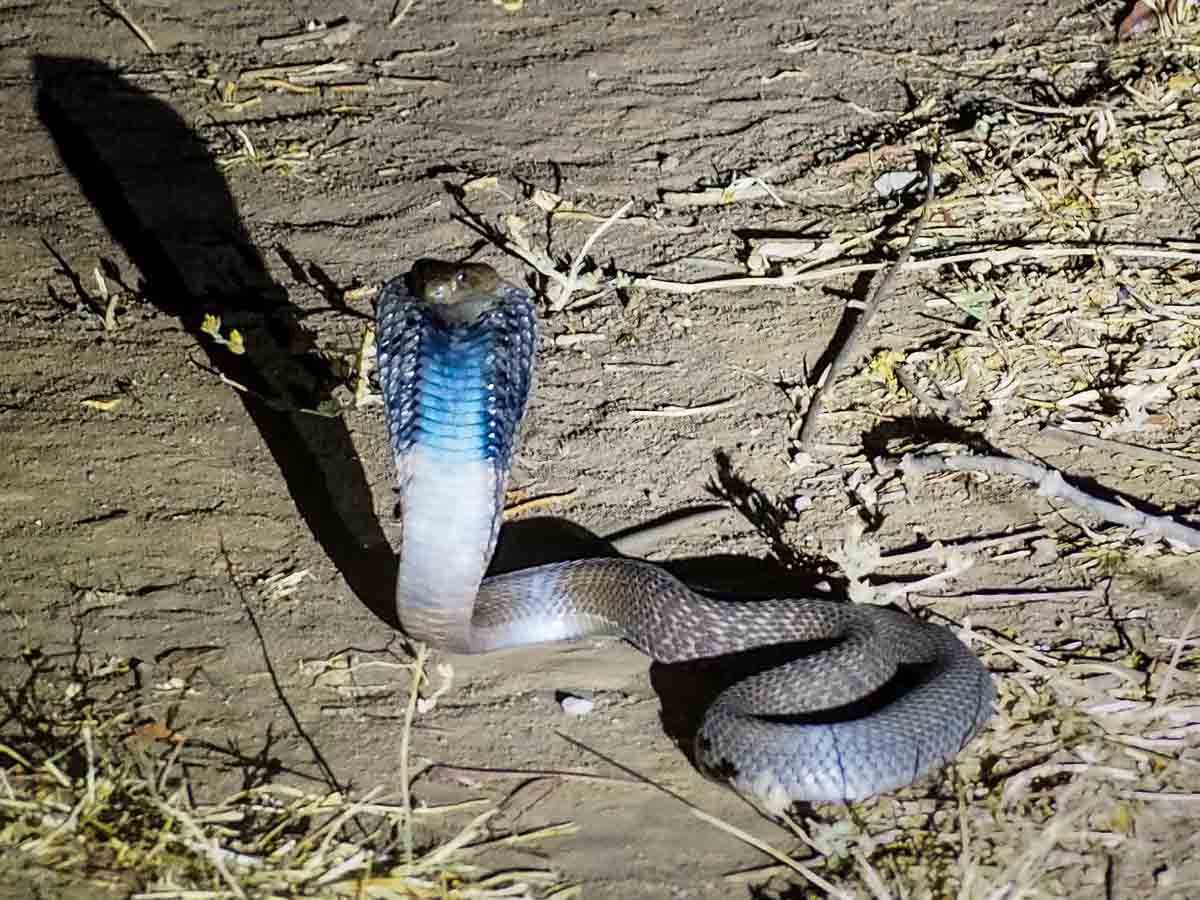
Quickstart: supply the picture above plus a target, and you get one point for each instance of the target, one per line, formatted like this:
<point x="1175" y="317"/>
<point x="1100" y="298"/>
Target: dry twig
<point x="568" y="288"/>
<point x="117" y="10"/>
<point x="400" y="12"/>
<point x="997" y="256"/>
<point x="1050" y="483"/>
<point x="683" y="412"/>
<point x="847" y="353"/>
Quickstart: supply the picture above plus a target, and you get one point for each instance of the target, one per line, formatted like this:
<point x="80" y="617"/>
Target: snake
<point x="870" y="700"/>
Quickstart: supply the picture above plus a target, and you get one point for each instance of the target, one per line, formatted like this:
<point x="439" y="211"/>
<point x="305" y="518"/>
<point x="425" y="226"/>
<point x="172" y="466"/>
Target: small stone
<point x="1153" y="180"/>
<point x="891" y="183"/>
<point x="577" y="706"/>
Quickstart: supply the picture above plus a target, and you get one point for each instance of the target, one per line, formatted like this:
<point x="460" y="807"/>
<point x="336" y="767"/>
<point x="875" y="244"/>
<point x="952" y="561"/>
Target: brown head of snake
<point x="456" y="355"/>
<point x="459" y="292"/>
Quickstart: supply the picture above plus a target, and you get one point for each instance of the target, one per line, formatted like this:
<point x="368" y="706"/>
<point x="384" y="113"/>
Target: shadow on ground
<point x="158" y="191"/>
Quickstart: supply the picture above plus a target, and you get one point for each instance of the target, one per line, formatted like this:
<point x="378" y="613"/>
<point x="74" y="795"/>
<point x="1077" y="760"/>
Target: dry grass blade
<point x="1164" y="688"/>
<point x="399" y="12"/>
<point x="568" y="288"/>
<point x="82" y="793"/>
<point x="683" y="412"/>
<point x="410" y="710"/>
<point x="802" y="870"/>
<point x="806" y="872"/>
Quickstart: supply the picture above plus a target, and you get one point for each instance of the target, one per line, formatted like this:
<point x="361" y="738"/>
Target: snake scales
<point x="456" y="349"/>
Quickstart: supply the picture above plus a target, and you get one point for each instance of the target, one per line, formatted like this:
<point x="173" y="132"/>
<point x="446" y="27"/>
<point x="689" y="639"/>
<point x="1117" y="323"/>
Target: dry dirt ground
<point x="210" y="561"/>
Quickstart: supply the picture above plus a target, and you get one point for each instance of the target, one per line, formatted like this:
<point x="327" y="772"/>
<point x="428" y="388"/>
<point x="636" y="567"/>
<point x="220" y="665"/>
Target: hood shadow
<point x="157" y="189"/>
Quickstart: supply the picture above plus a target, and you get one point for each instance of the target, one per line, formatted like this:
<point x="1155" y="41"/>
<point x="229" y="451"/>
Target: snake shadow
<point x="155" y="186"/>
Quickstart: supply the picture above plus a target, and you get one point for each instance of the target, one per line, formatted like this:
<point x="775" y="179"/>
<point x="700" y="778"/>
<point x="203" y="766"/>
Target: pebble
<point x="1153" y="180"/>
<point x="890" y="183"/>
<point x="577" y="706"/>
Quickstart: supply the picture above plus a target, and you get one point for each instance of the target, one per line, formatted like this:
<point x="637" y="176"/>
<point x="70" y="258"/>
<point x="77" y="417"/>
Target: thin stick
<point x="961" y="546"/>
<point x="848" y="352"/>
<point x="395" y="20"/>
<point x="409" y="711"/>
<point x="1050" y="483"/>
<point x="681" y="412"/>
<point x="766" y="848"/>
<point x="117" y="9"/>
<point x="265" y="400"/>
<point x="956" y="565"/>
<point x="1000" y="256"/>
<point x="548" y="499"/>
<point x="207" y="844"/>
<point x="871" y="877"/>
<point x="1054" y="595"/>
<point x="642" y="539"/>
<point x="762" y="846"/>
<point x="569" y="288"/>
<point x="1146" y="454"/>
<point x="488" y="772"/>
<point x="1164" y="689"/>
<point x="1173" y="796"/>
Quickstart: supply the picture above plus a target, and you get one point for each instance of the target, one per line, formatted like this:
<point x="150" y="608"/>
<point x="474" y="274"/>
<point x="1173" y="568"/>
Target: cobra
<point x="456" y="351"/>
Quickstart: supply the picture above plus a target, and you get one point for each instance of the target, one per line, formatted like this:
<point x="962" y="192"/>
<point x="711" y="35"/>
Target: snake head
<point x="458" y="292"/>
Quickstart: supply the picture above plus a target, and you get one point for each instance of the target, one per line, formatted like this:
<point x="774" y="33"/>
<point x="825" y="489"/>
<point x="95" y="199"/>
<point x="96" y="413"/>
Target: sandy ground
<point x="147" y="507"/>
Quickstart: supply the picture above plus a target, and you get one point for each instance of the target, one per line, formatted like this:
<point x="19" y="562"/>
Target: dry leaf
<point x="104" y="404"/>
<point x="158" y="731"/>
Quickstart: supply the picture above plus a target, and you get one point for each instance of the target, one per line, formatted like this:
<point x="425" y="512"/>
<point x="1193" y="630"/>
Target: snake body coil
<point x="456" y="356"/>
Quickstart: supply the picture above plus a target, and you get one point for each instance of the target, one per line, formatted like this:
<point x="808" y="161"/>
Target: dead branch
<point x="1051" y="483"/>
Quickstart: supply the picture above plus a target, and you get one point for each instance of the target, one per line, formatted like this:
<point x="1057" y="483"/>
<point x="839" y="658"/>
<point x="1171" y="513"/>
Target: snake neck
<point x="455" y="390"/>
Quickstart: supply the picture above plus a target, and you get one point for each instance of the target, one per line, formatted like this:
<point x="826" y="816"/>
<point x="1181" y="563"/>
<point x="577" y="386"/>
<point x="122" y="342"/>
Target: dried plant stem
<point x="1050" y="483"/>
<point x="648" y="537"/>
<point x="999" y="256"/>
<point x="489" y="772"/>
<point x="577" y="264"/>
<point x="745" y="837"/>
<point x="400" y="13"/>
<point x="683" y="412"/>
<point x="847" y="353"/>
<point x="117" y="9"/>
<point x="1164" y="689"/>
<point x="207" y="844"/>
<point x="418" y="670"/>
<point x="961" y="546"/>
<point x="1053" y="595"/>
